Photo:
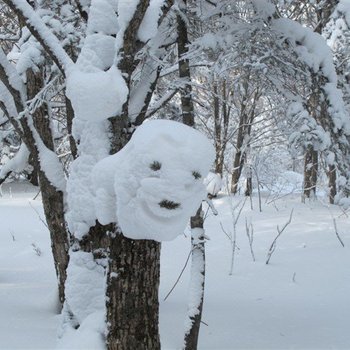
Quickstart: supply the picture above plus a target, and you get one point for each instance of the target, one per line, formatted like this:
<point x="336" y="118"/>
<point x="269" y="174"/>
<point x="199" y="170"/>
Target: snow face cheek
<point x="159" y="180"/>
<point x="161" y="205"/>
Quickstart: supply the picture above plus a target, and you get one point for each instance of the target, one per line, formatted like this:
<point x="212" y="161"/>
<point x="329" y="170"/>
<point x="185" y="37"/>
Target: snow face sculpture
<point x="157" y="181"/>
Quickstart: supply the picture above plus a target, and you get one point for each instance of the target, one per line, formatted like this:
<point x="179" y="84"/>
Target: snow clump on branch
<point x="155" y="183"/>
<point x="98" y="95"/>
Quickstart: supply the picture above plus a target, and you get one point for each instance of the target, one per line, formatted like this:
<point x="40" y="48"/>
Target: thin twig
<point x="36" y="196"/>
<point x="40" y="218"/>
<point x="211" y="206"/>
<point x="250" y="234"/>
<point x="280" y="231"/>
<point x="337" y="233"/>
<point x="178" y="279"/>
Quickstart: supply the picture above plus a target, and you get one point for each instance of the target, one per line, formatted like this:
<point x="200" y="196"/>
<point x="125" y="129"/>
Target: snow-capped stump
<point x="155" y="183"/>
<point x="213" y="182"/>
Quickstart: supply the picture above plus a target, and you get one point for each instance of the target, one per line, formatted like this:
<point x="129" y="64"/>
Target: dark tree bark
<point x="134" y="265"/>
<point x="132" y="310"/>
<point x="239" y="158"/>
<point x="33" y="177"/>
<point x="310" y="172"/>
<point x="53" y="201"/>
<point x="70" y="116"/>
<point x="217" y="128"/>
<point x="332" y="183"/>
<point x="221" y="121"/>
<point x="246" y="118"/>
<point x="249" y="182"/>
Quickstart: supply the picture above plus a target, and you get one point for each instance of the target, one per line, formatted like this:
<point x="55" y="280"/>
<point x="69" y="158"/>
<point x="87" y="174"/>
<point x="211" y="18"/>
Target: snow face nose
<point x="170" y="205"/>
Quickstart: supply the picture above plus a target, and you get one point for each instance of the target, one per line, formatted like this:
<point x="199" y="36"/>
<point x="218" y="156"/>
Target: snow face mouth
<point x="170" y="205"/>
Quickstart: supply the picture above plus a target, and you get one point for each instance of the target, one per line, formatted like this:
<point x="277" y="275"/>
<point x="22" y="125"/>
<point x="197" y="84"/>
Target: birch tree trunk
<point x="197" y="234"/>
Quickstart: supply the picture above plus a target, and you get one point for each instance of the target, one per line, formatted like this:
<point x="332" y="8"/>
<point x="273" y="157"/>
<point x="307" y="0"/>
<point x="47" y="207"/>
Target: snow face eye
<point x="196" y="175"/>
<point x="168" y="204"/>
<point x="155" y="166"/>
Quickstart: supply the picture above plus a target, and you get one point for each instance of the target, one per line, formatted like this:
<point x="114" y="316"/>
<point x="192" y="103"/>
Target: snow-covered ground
<point x="299" y="301"/>
<point x="28" y="306"/>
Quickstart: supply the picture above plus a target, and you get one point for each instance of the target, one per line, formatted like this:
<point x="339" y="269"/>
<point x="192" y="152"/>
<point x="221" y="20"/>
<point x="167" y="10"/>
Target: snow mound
<point x="97" y="95"/>
<point x="155" y="183"/>
<point x="213" y="182"/>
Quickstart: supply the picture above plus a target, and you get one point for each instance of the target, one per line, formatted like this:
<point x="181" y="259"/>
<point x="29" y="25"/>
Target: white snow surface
<point x="312" y="48"/>
<point x="126" y="10"/>
<point x="13" y="77"/>
<point x="264" y="8"/>
<point x="149" y="25"/>
<point x="94" y="142"/>
<point x="299" y="301"/>
<point x="50" y="164"/>
<point x="84" y="300"/>
<point x="98" y="95"/>
<point x="102" y="17"/>
<point x="16" y="164"/>
<point x="8" y="101"/>
<point x="197" y="279"/>
<point x="344" y="7"/>
<point x="45" y="33"/>
<point x="164" y="162"/>
<point x="213" y="183"/>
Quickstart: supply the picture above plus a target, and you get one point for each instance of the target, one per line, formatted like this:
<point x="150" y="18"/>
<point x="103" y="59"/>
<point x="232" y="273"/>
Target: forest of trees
<point x="267" y="81"/>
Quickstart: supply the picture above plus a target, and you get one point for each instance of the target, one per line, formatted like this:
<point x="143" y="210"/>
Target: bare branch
<point x="280" y="231"/>
<point x="178" y="279"/>
<point x="250" y="234"/>
<point x="337" y="233"/>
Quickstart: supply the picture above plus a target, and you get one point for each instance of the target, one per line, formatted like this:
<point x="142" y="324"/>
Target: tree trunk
<point x="249" y="182"/>
<point x="132" y="294"/>
<point x="217" y="130"/>
<point x="197" y="281"/>
<point x="237" y="171"/>
<point x="53" y="204"/>
<point x="310" y="172"/>
<point x="247" y="115"/>
<point x="221" y="122"/>
<point x="33" y="176"/>
<point x="197" y="243"/>
<point x="332" y="183"/>
<point x="54" y="213"/>
<point x="239" y="157"/>
<point x="53" y="201"/>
